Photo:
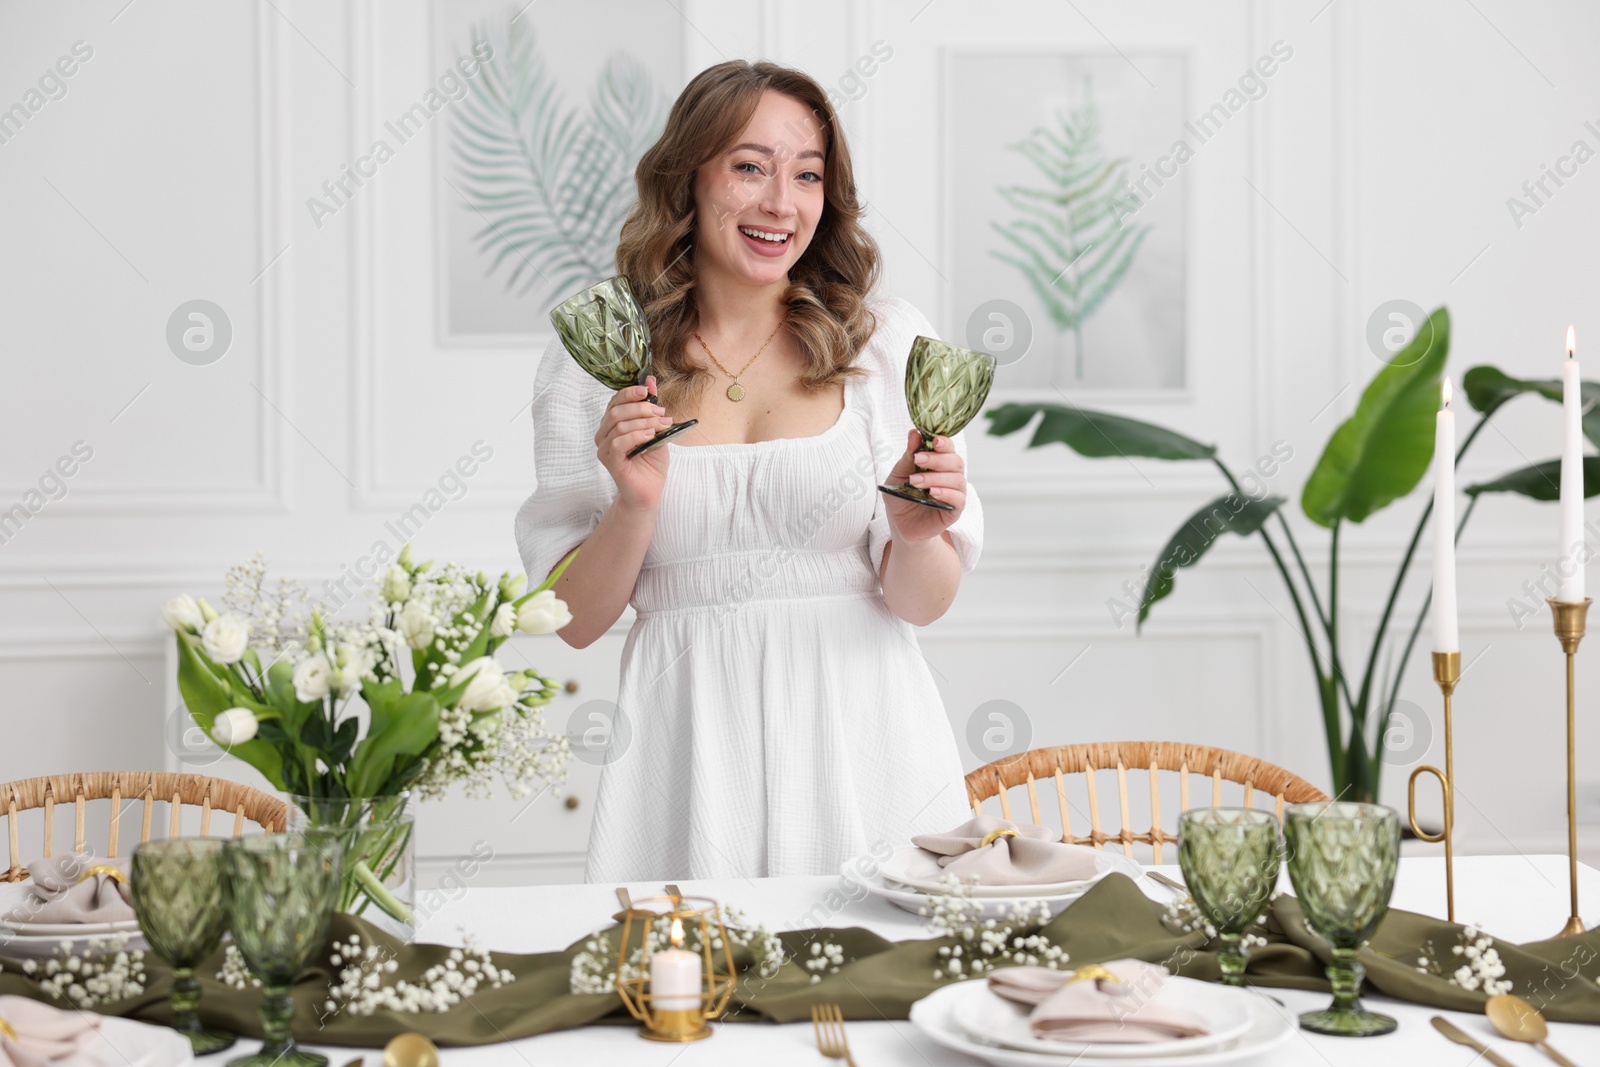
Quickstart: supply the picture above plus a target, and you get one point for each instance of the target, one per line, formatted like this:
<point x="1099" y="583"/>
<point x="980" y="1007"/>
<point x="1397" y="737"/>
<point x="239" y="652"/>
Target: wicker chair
<point x="1220" y="765"/>
<point x="148" y="787"/>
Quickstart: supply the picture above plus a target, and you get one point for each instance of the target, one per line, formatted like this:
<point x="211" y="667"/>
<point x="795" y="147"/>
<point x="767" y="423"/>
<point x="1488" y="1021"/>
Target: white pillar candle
<point x="1446" y="636"/>
<point x="675" y="976"/>
<point x="1569" y="558"/>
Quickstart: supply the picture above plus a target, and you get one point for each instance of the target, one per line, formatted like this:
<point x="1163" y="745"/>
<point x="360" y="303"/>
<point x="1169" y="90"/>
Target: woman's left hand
<point x="943" y="473"/>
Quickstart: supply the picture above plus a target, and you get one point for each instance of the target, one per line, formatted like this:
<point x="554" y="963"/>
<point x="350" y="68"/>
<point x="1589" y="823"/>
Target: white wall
<point x="177" y="166"/>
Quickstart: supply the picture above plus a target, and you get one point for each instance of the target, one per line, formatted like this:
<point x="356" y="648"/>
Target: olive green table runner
<point x="879" y="978"/>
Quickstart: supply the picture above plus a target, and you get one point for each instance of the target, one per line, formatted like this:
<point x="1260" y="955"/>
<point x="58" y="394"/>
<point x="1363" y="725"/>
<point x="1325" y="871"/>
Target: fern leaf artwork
<point x="550" y="183"/>
<point x="1069" y="241"/>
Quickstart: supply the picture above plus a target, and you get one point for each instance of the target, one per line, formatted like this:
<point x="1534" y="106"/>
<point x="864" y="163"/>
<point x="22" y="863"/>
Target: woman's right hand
<point x="629" y="422"/>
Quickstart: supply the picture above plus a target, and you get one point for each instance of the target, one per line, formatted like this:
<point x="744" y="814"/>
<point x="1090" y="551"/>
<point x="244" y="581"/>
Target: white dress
<point x="780" y="719"/>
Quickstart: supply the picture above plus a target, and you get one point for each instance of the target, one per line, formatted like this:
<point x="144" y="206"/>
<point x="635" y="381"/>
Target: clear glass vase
<point x="379" y="841"/>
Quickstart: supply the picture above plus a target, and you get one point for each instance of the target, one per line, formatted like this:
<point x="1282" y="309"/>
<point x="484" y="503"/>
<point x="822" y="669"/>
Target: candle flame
<point x="1572" y="341"/>
<point x="1446" y="392"/>
<point x="677" y="933"/>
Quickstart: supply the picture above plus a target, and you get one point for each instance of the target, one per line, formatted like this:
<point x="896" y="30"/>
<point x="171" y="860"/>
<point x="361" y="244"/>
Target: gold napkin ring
<point x="106" y="869"/>
<point x="994" y="835"/>
<point x="1092" y="971"/>
<point x="7" y="1030"/>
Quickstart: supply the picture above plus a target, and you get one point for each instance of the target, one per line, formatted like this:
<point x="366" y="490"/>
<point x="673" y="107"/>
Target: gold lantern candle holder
<point x="702" y="916"/>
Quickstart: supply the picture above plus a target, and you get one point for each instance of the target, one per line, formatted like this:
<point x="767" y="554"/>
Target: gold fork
<point x="829" y="1023"/>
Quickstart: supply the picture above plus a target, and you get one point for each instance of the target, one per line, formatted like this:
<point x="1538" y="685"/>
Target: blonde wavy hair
<point x="826" y="302"/>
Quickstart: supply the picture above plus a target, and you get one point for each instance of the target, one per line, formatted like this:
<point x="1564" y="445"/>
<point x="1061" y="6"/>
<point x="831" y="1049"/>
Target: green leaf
<point x="1379" y="453"/>
<point x="1230" y="513"/>
<point x="208" y="696"/>
<point x="1542" y="481"/>
<point x="1095" y="433"/>
<point x="401" y="728"/>
<point x="1489" y="387"/>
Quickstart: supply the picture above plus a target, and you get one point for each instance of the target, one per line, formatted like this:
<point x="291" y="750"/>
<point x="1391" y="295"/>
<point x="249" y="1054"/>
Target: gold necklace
<point x="735" y="390"/>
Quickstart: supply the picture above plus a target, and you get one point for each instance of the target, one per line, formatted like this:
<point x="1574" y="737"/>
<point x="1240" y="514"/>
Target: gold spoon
<point x="410" y="1050"/>
<point x="1517" y="1020"/>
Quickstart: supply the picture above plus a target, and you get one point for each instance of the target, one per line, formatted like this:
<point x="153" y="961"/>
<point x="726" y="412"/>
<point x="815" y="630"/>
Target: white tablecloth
<point x="1515" y="898"/>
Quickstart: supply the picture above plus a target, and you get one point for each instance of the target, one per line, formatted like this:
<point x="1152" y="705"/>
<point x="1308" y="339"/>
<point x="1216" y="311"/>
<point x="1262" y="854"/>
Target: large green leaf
<point x="1489" y="387"/>
<point x="1231" y="513"/>
<point x="1095" y="433"/>
<point x="1379" y="453"/>
<point x="400" y="730"/>
<point x="1542" y="481"/>
<point x="207" y="696"/>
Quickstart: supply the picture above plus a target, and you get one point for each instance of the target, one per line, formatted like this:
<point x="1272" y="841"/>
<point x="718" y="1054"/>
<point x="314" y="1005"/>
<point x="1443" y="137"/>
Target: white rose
<point x="396" y="585"/>
<point x="415" y="625"/>
<point x="234" y="727"/>
<point x="313" y="678"/>
<point x="488" y="690"/>
<point x="505" y="621"/>
<point x="182" y="613"/>
<point x="225" y="638"/>
<point x="543" y="613"/>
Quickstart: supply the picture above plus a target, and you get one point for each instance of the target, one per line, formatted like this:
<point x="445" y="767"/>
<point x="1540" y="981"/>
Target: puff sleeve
<point x="899" y="323"/>
<point x="573" y="489"/>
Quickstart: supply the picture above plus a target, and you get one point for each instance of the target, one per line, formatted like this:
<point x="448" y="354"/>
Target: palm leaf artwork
<point x="1070" y="243"/>
<point x="550" y="183"/>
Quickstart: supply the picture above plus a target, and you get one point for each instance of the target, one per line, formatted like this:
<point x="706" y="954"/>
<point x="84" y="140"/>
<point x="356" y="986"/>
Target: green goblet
<point x="1342" y="860"/>
<point x="605" y="330"/>
<point x="282" y="888"/>
<point x="180" y="897"/>
<point x="945" y="386"/>
<point x="1230" y="861"/>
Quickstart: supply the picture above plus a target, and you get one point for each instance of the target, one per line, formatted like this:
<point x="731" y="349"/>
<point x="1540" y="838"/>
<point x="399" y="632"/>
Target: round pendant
<point x="735" y="391"/>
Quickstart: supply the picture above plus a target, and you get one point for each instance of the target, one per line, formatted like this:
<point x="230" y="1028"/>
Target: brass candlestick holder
<point x="696" y="917"/>
<point x="1569" y="617"/>
<point x="1446" y="672"/>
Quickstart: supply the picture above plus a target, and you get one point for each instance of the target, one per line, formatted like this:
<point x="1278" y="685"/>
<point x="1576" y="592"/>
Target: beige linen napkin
<point x="1129" y="1010"/>
<point x="1034" y="856"/>
<point x="58" y="896"/>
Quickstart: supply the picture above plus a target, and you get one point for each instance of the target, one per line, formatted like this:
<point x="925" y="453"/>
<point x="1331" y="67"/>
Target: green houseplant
<point x="1375" y="457"/>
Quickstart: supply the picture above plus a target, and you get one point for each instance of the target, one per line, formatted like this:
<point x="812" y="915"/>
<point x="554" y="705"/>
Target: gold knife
<point x="1461" y="1037"/>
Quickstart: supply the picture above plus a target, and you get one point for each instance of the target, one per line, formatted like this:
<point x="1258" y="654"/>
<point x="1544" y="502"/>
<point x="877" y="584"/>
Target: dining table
<point x="1514" y="898"/>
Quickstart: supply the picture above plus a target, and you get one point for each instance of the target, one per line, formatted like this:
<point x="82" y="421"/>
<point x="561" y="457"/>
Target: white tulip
<point x="313" y="678"/>
<point x="488" y="690"/>
<point x="355" y="662"/>
<point x="234" y="727"/>
<point x="505" y="621"/>
<point x="396" y="585"/>
<point x="182" y="613"/>
<point x="543" y="613"/>
<point x="416" y="625"/>
<point x="225" y="638"/>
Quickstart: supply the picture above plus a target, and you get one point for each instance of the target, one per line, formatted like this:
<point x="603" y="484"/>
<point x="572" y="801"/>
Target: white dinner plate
<point x="68" y="929"/>
<point x="987" y="1016"/>
<point x="1270" y="1027"/>
<point x="35" y="947"/>
<point x="146" y="1044"/>
<point x="914" y="900"/>
<point x="919" y="869"/>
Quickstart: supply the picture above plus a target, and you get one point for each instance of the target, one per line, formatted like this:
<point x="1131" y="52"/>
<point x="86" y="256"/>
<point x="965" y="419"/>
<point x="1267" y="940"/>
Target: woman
<point x="777" y="716"/>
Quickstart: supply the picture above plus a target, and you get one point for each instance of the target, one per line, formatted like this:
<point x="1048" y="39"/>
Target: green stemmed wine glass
<point x="945" y="386"/>
<point x="180" y="897"/>
<point x="1230" y="861"/>
<point x="282" y="888"/>
<point x="605" y="330"/>
<point x="1342" y="860"/>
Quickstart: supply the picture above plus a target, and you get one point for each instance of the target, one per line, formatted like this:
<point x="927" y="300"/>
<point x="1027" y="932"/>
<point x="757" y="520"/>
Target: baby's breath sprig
<point x="982" y="944"/>
<point x="106" y="971"/>
<point x="359" y="984"/>
<point x="1476" y="961"/>
<point x="235" y="974"/>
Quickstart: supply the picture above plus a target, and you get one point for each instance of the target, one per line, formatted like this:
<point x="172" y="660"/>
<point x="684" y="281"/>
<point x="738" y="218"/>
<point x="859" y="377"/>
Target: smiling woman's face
<point x="769" y="183"/>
